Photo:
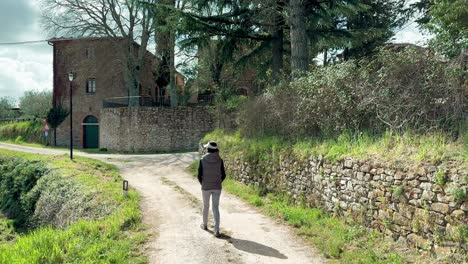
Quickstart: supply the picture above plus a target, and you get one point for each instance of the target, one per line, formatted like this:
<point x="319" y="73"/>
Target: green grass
<point x="22" y="132"/>
<point x="7" y="231"/>
<point x="408" y="148"/>
<point x="115" y="238"/>
<point x="335" y="238"/>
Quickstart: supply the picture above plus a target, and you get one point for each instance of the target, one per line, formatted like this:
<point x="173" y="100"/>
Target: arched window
<point x="90" y="120"/>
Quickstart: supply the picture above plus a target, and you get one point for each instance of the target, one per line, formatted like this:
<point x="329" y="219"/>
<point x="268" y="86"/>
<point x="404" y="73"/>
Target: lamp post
<point x="70" y="78"/>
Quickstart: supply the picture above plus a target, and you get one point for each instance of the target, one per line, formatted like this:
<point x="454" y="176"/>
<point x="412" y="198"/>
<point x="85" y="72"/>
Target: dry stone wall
<point x="151" y="129"/>
<point x="425" y="206"/>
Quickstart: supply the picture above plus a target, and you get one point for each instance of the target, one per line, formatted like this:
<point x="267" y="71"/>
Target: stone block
<point x="421" y="171"/>
<point x="415" y="202"/>
<point x="367" y="177"/>
<point x="360" y="176"/>
<point x="436" y="218"/>
<point x="399" y="175"/>
<point x="400" y="220"/>
<point x="365" y="168"/>
<point x="418" y="241"/>
<point x="428" y="195"/>
<point x="459" y="215"/>
<point x="464" y="206"/>
<point x="414" y="183"/>
<point x="406" y="211"/>
<point x="442" y="198"/>
<point x="425" y="186"/>
<point x="442" y="251"/>
<point x="440" y="207"/>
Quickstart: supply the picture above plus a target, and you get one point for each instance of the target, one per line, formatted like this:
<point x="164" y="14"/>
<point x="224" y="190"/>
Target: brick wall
<point x="151" y="129"/>
<point x="105" y="64"/>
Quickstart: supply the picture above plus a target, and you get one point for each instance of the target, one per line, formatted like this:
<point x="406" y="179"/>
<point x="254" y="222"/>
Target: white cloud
<point x="22" y="70"/>
<point x="23" y="67"/>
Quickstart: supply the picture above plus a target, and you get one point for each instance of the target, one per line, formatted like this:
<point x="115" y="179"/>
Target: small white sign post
<point x="125" y="188"/>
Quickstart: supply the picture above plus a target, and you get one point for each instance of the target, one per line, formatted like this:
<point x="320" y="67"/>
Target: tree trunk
<point x="165" y="50"/>
<point x="299" y="49"/>
<point x="55" y="136"/>
<point x="132" y="74"/>
<point x="172" y="71"/>
<point x="278" y="39"/>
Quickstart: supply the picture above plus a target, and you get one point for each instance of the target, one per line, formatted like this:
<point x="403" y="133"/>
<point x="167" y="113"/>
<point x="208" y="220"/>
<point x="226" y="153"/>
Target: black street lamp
<point x="70" y="78"/>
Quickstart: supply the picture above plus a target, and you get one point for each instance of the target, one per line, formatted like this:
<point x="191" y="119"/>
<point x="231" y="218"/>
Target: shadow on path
<point x="253" y="247"/>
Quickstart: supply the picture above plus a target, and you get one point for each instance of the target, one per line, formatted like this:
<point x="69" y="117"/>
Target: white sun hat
<point x="211" y="145"/>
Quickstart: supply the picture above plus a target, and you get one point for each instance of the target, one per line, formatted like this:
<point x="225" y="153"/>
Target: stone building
<point x="99" y="68"/>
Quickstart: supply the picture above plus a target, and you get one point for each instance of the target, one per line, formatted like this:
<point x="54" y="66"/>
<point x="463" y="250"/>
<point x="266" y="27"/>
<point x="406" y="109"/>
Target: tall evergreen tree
<point x="299" y="47"/>
<point x="448" y="21"/>
<point x="374" y="25"/>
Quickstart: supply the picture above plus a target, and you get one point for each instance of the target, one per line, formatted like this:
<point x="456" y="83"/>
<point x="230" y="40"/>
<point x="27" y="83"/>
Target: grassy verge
<point x="22" y="132"/>
<point x="391" y="148"/>
<point x="338" y="239"/>
<point x="113" y="238"/>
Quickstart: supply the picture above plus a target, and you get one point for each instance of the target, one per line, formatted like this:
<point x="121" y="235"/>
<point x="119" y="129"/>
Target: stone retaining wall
<point x="417" y="205"/>
<point x="151" y="129"/>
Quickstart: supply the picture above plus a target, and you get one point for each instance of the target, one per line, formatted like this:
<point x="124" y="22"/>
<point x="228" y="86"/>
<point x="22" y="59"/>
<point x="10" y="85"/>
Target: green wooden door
<point x="91" y="136"/>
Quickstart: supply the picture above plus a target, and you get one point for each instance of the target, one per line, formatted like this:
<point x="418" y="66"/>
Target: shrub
<point x="398" y="192"/>
<point x="460" y="194"/>
<point x="440" y="177"/>
<point x="400" y="91"/>
<point x="60" y="201"/>
<point x="17" y="177"/>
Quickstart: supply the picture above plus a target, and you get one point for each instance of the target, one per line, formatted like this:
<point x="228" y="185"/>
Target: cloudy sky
<point x="26" y="67"/>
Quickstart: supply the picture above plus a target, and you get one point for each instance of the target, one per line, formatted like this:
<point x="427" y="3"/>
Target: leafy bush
<point x="405" y="90"/>
<point x="6" y="104"/>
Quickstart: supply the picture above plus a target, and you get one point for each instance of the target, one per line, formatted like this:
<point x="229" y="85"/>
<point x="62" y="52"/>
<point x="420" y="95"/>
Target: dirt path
<point x="171" y="208"/>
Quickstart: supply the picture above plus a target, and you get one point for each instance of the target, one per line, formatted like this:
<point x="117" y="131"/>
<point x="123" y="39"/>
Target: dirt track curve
<point x="171" y="208"/>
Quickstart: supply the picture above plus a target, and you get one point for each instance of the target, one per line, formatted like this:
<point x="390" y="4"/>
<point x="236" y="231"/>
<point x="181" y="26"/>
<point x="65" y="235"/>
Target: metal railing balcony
<point x="147" y="101"/>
